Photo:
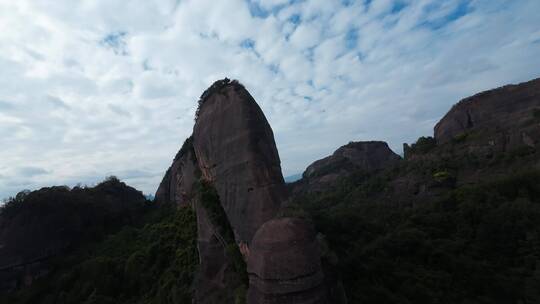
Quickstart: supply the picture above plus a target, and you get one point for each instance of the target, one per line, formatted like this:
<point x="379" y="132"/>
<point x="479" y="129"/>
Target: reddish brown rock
<point x="367" y="156"/>
<point x="177" y="184"/>
<point x="179" y="187"/>
<point x="512" y="111"/>
<point x="235" y="150"/>
<point x="284" y="265"/>
<point x="211" y="282"/>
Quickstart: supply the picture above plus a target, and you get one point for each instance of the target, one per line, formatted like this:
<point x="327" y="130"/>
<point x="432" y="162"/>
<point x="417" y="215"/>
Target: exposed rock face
<point x="473" y="140"/>
<point x="177" y="184"/>
<point x="502" y="111"/>
<point x="179" y="187"/>
<point x="367" y="156"/>
<point x="211" y="281"/>
<point x="236" y="151"/>
<point x="284" y="265"/>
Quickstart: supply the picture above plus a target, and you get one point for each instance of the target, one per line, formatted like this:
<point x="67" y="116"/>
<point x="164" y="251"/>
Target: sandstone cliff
<point x="285" y="265"/>
<point x="511" y="113"/>
<point x="234" y="153"/>
<point x="179" y="180"/>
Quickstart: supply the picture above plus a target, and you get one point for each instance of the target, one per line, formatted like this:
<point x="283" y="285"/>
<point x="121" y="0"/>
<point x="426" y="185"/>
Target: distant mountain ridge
<point x="292" y="178"/>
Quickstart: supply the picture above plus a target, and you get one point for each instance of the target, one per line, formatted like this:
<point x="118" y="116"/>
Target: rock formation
<point x="179" y="180"/>
<point x="510" y="115"/>
<point x="235" y="152"/>
<point x="367" y="156"/>
<point x="284" y="265"/>
<point x="481" y="131"/>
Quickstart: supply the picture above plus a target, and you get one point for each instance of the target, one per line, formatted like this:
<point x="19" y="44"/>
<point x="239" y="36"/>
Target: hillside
<point x="456" y="221"/>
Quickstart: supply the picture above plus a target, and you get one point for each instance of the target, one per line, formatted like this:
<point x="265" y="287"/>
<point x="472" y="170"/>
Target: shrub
<point x="422" y="146"/>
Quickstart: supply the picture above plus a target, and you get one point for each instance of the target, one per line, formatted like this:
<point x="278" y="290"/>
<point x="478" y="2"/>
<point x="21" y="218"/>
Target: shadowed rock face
<point x="507" y="108"/>
<point x="177" y="184"/>
<point x="367" y="156"/>
<point x="213" y="262"/>
<point x="179" y="187"/>
<point x="284" y="264"/>
<point x="236" y="151"/>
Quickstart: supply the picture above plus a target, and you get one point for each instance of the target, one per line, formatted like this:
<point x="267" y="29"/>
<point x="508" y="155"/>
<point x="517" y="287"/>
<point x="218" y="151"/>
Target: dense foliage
<point x="151" y="264"/>
<point x="422" y="146"/>
<point x="54" y="219"/>
<point x="475" y="244"/>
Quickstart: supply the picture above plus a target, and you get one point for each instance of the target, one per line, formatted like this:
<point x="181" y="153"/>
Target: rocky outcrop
<point x="236" y="151"/>
<point x="179" y="180"/>
<point x="284" y="265"/>
<point x="509" y="114"/>
<point x="477" y="136"/>
<point x="367" y="156"/>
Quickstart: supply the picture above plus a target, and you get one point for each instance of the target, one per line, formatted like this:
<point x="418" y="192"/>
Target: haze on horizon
<point x="96" y="88"/>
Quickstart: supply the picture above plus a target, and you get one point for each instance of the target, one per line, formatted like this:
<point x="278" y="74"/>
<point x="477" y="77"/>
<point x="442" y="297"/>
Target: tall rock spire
<point x="233" y="153"/>
<point x="236" y="151"/>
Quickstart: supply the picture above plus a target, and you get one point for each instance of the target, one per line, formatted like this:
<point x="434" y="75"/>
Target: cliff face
<point x="366" y="156"/>
<point x="512" y="112"/>
<point x="234" y="151"/>
<point x="179" y="180"/>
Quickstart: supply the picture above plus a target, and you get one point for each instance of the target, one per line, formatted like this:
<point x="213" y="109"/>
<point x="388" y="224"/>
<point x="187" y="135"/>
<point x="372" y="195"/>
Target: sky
<point x="95" y="88"/>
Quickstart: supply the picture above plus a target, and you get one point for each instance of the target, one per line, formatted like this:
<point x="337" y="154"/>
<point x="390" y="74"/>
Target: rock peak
<point x="503" y="108"/>
<point x="367" y="156"/>
<point x="233" y="151"/>
<point x="235" y="148"/>
<point x="217" y="88"/>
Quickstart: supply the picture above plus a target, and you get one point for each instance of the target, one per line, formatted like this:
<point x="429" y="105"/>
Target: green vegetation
<point x="214" y="89"/>
<point x="536" y="114"/>
<point x="443" y="176"/>
<point x="422" y="146"/>
<point x="475" y="244"/>
<point x="59" y="218"/>
<point x="462" y="137"/>
<point x="151" y="264"/>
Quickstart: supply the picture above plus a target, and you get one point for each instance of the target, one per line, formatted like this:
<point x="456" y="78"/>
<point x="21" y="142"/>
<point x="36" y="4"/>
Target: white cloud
<point x="269" y="4"/>
<point x="305" y="36"/>
<point x="93" y="88"/>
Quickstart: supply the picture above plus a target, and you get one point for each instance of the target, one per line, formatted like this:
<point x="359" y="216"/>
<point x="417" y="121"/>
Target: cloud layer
<point x="94" y="88"/>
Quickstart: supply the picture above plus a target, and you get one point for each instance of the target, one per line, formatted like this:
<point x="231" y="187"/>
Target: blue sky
<point x="101" y="87"/>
